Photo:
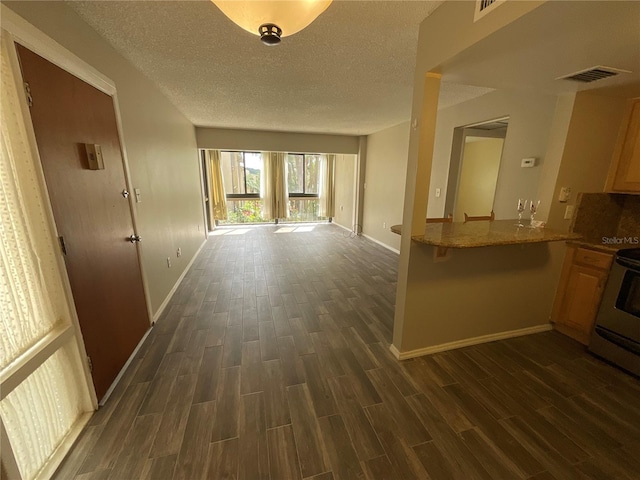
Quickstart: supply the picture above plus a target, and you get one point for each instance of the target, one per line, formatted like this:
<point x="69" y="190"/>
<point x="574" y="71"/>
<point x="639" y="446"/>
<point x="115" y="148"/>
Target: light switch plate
<point x="438" y="192"/>
<point x="568" y="212"/>
<point x="565" y="194"/>
<point x="138" y="195"/>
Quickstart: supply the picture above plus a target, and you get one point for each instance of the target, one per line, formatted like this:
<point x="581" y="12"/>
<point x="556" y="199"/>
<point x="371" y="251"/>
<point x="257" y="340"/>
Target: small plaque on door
<point x="94" y="156"/>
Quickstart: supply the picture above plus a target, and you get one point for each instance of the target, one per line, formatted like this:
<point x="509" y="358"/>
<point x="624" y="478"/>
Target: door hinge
<point x="90" y="363"/>
<point x="63" y="246"/>
<point x="27" y="91"/>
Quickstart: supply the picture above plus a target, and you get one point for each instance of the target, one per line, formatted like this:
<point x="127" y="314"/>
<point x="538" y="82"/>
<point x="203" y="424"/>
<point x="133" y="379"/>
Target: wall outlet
<point x="168" y="262"/>
<point x="568" y="212"/>
<point x="179" y="252"/>
<point x="438" y="192"/>
<point x="384" y="224"/>
<point x="565" y="194"/>
<point x="528" y="162"/>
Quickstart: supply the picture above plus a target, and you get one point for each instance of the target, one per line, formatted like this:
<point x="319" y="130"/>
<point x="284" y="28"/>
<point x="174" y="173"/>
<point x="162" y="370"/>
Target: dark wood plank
<point x="174" y="418"/>
<point x="323" y="401"/>
<point x="495" y="432"/>
<point x="366" y="360"/>
<point x="251" y="369"/>
<point x="225" y="424"/>
<point x="493" y="460"/>
<point x="232" y="350"/>
<point x="441" y="400"/>
<point x="342" y="457"/>
<point x="109" y="445"/>
<point x="283" y="457"/>
<point x="394" y="369"/>
<point x="192" y="463"/>
<point x="329" y="362"/>
<point x="364" y="438"/>
<point x="159" y="468"/>
<point x="217" y="331"/>
<point x="311" y="450"/>
<point x="223" y="460"/>
<point x="275" y="395"/>
<point x="268" y="341"/>
<point x="400" y="454"/>
<point x="364" y="389"/>
<point x="463" y="463"/>
<point x="379" y="468"/>
<point x="436" y="465"/>
<point x="208" y="375"/>
<point x="292" y="368"/>
<point x="253" y="452"/>
<point x="410" y="425"/>
<point x="192" y="355"/>
<point x="136" y="447"/>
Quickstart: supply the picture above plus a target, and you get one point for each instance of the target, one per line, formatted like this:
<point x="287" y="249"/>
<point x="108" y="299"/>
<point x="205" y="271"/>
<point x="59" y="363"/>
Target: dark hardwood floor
<point x="272" y="362"/>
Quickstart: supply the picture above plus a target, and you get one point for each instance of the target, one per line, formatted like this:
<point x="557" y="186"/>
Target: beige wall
<point x="530" y="116"/>
<point x="256" y="140"/>
<point x="160" y="144"/>
<point x="345" y="178"/>
<point x="596" y="119"/>
<point x="385" y="179"/>
<point x="478" y="177"/>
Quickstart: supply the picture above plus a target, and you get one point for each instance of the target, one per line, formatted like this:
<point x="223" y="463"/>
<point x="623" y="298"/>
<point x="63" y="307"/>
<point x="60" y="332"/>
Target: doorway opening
<point x="476" y="155"/>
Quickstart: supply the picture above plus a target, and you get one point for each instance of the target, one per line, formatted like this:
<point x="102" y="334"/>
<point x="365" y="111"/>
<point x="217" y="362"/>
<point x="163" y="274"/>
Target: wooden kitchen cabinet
<point x="625" y="167"/>
<point x="584" y="275"/>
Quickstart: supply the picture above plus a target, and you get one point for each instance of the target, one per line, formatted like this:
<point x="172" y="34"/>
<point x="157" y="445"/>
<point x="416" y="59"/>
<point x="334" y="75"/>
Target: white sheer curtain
<point x="43" y="408"/>
<point x="273" y="188"/>
<point x="327" y="186"/>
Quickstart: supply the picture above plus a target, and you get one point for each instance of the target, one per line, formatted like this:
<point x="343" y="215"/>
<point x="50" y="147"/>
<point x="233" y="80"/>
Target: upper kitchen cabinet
<point x="625" y="168"/>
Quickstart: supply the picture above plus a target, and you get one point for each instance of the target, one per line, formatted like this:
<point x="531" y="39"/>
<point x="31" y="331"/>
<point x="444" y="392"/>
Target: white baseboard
<point x="467" y="342"/>
<point x="164" y="304"/>
<point x="394" y="250"/>
<point x="342" y="226"/>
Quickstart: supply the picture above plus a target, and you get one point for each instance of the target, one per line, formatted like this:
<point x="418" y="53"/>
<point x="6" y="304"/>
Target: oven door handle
<point x="630" y="264"/>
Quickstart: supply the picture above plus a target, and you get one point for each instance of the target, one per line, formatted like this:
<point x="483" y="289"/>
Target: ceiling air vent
<point x="485" y="6"/>
<point x="592" y="74"/>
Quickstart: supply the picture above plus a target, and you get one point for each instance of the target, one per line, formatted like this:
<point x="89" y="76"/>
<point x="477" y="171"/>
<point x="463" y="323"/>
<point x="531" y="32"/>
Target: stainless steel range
<point x="616" y="335"/>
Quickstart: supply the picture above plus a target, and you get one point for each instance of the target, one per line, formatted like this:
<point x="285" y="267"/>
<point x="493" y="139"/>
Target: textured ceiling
<point x="349" y="72"/>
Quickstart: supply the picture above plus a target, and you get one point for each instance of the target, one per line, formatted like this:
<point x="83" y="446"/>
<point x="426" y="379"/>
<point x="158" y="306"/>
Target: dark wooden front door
<point x="91" y="214"/>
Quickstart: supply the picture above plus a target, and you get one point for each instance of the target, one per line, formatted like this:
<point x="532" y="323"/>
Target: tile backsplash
<point x="601" y="215"/>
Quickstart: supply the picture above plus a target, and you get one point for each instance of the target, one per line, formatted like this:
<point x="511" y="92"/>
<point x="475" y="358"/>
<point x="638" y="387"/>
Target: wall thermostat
<point x="528" y="162"/>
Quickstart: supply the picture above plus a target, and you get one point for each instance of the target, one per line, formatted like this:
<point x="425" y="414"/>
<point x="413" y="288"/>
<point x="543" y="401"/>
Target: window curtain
<point x="327" y="186"/>
<point x="42" y="409"/>
<point x="217" y="196"/>
<point x="273" y="189"/>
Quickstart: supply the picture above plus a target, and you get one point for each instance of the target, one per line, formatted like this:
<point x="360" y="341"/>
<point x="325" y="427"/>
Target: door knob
<point x="134" y="238"/>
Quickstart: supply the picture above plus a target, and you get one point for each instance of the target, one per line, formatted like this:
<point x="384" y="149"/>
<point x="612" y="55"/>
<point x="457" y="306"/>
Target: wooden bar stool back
<point x="490" y="218"/>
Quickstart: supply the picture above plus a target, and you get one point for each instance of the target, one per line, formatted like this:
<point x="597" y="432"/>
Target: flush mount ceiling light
<point x="272" y="20"/>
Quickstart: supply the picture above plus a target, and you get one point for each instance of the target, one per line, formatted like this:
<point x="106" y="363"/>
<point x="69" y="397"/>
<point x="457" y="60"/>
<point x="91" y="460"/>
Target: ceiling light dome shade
<point x="288" y="16"/>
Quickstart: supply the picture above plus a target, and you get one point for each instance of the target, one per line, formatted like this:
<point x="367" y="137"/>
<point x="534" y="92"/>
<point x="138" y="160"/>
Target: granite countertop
<point x="396" y="229"/>
<point x="486" y="234"/>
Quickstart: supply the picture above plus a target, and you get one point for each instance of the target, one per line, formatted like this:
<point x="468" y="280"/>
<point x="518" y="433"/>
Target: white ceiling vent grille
<point x="592" y="74"/>
<point x="485" y="6"/>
